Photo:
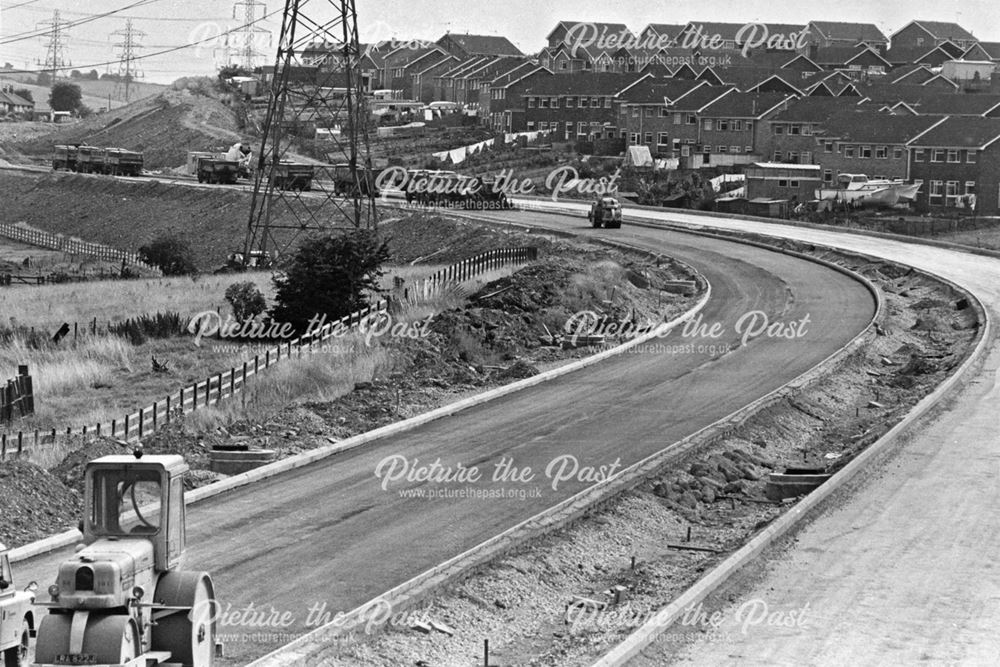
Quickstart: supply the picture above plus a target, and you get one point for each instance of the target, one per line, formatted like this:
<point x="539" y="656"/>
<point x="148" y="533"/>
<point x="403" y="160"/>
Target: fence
<point x="73" y="246"/>
<point x="228" y="383"/>
<point x="17" y="397"/>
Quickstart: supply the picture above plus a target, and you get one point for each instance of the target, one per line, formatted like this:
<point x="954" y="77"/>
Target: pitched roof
<point x="745" y="105"/>
<point x="814" y="109"/>
<point x="960" y="132"/>
<point x="585" y="83"/>
<point x="842" y="55"/>
<point x="858" y="32"/>
<point x="657" y="91"/>
<point x="729" y="31"/>
<point x="701" y="97"/>
<point x="957" y="104"/>
<point x="869" y="126"/>
<point x="748" y="78"/>
<point x="669" y="29"/>
<point x="989" y="49"/>
<point x="910" y="74"/>
<point x="602" y="28"/>
<point x="14" y="100"/>
<point x="940" y="30"/>
<point x="896" y="92"/>
<point x="490" y="45"/>
<point x="906" y="55"/>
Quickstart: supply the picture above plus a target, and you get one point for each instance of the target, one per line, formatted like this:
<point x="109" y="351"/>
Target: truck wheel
<point x="17" y="656"/>
<point x="189" y="635"/>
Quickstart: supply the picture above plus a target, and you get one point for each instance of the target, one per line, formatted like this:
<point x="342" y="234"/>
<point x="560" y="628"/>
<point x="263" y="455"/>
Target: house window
<point x="952" y="155"/>
<point x="595" y="101"/>
<point x="866" y="151"/>
<point x="737" y="126"/>
<point x="777" y="156"/>
<point x="562" y="65"/>
<point x="543" y="103"/>
<point x="721" y="149"/>
<point x="635" y="110"/>
<point x="581" y="128"/>
<point x="848" y="150"/>
<point x="748" y="149"/>
<point x="531" y="102"/>
<point x="828" y="146"/>
<point x="648" y="138"/>
<point x="734" y="149"/>
<point x="677" y="119"/>
<point x="748" y="125"/>
<point x="827" y="176"/>
<point x="569" y="132"/>
<point x="897" y="153"/>
<point x="807" y="130"/>
<point x="583" y="105"/>
<point x="793" y="184"/>
<point x="779" y="129"/>
<point x="970" y="187"/>
<point x="937" y="155"/>
<point x="722" y="125"/>
<point x="649" y="112"/>
<point x="936" y="192"/>
<point x="971" y="157"/>
<point x="782" y="183"/>
<point x="881" y="152"/>
<point x="794" y="129"/>
<point x="531" y="125"/>
<point x="706" y="149"/>
<point x="662" y="139"/>
<point x="707" y="124"/>
<point x="793" y="157"/>
<point x="807" y="157"/>
<point x="951" y="193"/>
<point x="919" y="155"/>
<point x="570" y="102"/>
<point x="691" y="119"/>
<point x="663" y="113"/>
<point x="607" y="102"/>
<point x="543" y="125"/>
<point x="633" y="138"/>
<point x="555" y="102"/>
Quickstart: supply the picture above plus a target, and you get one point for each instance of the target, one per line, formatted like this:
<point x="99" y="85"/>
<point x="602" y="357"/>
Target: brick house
<point x="955" y="158"/>
<point x="402" y="63"/>
<point x="932" y="33"/>
<point x="577" y="107"/>
<point x="723" y="37"/>
<point x="15" y="104"/>
<point x="645" y="118"/>
<point x="506" y="109"/>
<point x="836" y="33"/>
<point x="424" y="82"/>
<point x="789" y="135"/>
<point x="466" y="45"/>
<point x="731" y="125"/>
<point x="674" y="132"/>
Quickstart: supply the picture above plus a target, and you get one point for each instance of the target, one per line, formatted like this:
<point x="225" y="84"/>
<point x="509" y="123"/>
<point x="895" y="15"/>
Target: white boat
<point x="870" y="192"/>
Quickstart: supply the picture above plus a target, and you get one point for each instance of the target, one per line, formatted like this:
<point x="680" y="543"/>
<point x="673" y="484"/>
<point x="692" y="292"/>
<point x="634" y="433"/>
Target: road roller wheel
<point x="189" y="636"/>
<point x="17" y="656"/>
<point x="110" y="639"/>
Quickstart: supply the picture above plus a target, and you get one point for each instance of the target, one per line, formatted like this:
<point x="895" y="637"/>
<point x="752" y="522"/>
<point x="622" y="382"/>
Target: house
<point x="837" y="33"/>
<point x="761" y="79"/>
<point x="15" y="104"/>
<point x="769" y="181"/>
<point x="466" y="45"/>
<point x="674" y="131"/>
<point x="983" y="51"/>
<point x="401" y="63"/>
<point x="789" y="135"/>
<point x="855" y="61"/>
<point x="578" y="107"/>
<point x="656" y="36"/>
<point x="730" y="125"/>
<point x="955" y="158"/>
<point x="742" y="37"/>
<point x="506" y="110"/>
<point x="865" y="141"/>
<point x="929" y="55"/>
<point x="424" y="81"/>
<point x="925" y="34"/>
<point x="575" y="34"/>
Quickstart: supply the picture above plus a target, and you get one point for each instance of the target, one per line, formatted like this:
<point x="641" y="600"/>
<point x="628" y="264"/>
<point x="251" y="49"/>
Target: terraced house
<point x="958" y="161"/>
<point x="579" y="107"/>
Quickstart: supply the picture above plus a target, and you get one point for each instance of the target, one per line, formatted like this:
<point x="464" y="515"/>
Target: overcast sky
<point x="172" y="23"/>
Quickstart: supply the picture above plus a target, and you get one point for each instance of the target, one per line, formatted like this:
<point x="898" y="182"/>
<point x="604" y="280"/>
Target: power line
<point x="20" y="37"/>
<point x="245" y="38"/>
<point x="55" y="50"/>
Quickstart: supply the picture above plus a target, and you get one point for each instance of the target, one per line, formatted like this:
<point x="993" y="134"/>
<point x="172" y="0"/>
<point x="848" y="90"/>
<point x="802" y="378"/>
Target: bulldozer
<point x="17" y="620"/>
<point x="124" y="598"/>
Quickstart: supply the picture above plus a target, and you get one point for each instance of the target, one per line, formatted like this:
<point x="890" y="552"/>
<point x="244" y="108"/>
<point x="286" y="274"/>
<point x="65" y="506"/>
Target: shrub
<point x="139" y="329"/>
<point x="246" y="300"/>
<point x="171" y="255"/>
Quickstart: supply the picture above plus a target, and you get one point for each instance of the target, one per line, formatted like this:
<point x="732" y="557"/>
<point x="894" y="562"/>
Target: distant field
<point x="95" y="93"/>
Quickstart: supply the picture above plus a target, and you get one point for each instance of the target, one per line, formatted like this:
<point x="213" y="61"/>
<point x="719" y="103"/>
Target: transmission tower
<point x="55" y="44"/>
<point x="316" y="83"/>
<point x="243" y="41"/>
<point x="126" y="51"/>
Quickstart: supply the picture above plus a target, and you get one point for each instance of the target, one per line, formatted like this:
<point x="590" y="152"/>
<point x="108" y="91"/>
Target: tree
<point x="65" y="96"/>
<point x="331" y="276"/>
<point x="25" y="94"/>
<point x="43" y="79"/>
<point x="93" y="75"/>
<point x="75" y="74"/>
<point x="171" y="255"/>
<point x="246" y="300"/>
<point x="8" y="66"/>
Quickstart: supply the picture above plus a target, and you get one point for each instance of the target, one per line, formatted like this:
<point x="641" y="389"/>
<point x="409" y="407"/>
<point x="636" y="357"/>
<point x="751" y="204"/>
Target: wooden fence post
<point x="168" y="404"/>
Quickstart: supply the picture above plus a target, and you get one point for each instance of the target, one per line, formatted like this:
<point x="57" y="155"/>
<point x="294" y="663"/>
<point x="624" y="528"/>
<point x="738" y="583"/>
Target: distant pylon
<point x="244" y="40"/>
<point x="126" y="52"/>
<point x="55" y="43"/>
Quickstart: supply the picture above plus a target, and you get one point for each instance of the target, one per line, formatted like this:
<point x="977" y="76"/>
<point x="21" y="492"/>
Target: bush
<point x="160" y="325"/>
<point x="331" y="276"/>
<point x="246" y="300"/>
<point x="171" y="255"/>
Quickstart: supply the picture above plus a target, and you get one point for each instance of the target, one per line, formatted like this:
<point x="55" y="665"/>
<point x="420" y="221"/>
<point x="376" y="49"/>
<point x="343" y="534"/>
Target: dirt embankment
<point x="498" y="335"/>
<point x="164" y="128"/>
<point x="651" y="544"/>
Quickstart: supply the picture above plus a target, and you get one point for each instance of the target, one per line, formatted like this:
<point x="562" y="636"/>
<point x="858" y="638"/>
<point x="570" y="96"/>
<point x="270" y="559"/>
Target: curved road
<point x="328" y="537"/>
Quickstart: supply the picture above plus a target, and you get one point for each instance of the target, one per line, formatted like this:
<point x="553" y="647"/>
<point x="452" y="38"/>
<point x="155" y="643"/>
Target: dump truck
<point x="124" y="598"/>
<point x="217" y="170"/>
<point x="120" y="162"/>
<point x="17" y="620"/>
<point x="605" y="212"/>
<point x="344" y="180"/>
<point x="64" y="157"/>
<point x="90" y="159"/>
<point x="294" y="176"/>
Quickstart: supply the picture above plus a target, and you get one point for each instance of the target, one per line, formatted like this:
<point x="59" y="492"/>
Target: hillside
<point x="95" y="93"/>
<point x="164" y="127"/>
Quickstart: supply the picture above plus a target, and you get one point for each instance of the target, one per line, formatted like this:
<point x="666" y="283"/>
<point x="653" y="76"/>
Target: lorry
<point x="605" y="212"/>
<point x="121" y="162"/>
<point x="344" y="180"/>
<point x="17" y="620"/>
<point x="124" y="598"/>
<point x="90" y="159"/>
<point x="293" y="176"/>
<point x="217" y="170"/>
<point x="64" y="157"/>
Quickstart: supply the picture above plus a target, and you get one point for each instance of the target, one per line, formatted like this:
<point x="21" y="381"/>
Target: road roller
<point x="124" y="597"/>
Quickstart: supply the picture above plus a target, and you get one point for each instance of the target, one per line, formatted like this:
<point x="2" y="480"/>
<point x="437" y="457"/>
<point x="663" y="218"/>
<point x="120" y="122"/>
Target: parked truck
<point x="123" y="598"/>
<point x="217" y="170"/>
<point x="90" y="159"/>
<point x="17" y="620"/>
<point x="605" y="212"/>
<point x="64" y="157"/>
<point x="121" y="162"/>
<point x="294" y="176"/>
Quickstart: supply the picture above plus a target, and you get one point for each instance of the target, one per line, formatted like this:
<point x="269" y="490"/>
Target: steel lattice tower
<point x="55" y="50"/>
<point x="319" y="86"/>
<point x="244" y="40"/>
<point x="127" y="49"/>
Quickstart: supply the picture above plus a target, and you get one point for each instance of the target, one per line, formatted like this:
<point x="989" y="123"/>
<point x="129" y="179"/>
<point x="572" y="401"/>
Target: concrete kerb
<point x="809" y="505"/>
<point x="306" y="649"/>
<point x="305" y="458"/>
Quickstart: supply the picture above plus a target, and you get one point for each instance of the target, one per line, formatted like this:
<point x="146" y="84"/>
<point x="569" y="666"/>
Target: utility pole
<point x="55" y="43"/>
<point x="126" y="52"/>
<point x="245" y="38"/>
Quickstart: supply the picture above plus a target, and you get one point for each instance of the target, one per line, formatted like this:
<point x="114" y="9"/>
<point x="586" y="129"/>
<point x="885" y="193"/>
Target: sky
<point x="168" y="24"/>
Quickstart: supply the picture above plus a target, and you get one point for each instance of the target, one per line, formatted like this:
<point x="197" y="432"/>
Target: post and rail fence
<point x="32" y="236"/>
<point x="17" y="397"/>
<point x="227" y="384"/>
